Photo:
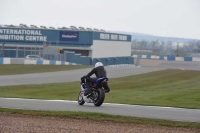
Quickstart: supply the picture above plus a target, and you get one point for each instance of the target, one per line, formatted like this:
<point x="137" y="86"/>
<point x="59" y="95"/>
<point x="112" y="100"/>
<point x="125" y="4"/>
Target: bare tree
<point x="191" y="46"/>
<point x="154" y="44"/>
<point x="162" y="48"/>
<point x="134" y="43"/>
<point x="169" y="48"/>
<point x="143" y="44"/>
<point x="198" y="46"/>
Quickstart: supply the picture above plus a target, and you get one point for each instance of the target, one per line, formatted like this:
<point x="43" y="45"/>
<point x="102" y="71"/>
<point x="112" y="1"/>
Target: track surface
<point x="69" y="76"/>
<point x="177" y="114"/>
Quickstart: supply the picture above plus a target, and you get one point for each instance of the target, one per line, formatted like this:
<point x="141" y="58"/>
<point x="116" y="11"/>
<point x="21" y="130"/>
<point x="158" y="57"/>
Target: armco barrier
<point x="33" y="62"/>
<point x="124" y="65"/>
<point x="171" y="58"/>
<point x="1" y="61"/>
<point x="4" y="60"/>
<point x="85" y="60"/>
<point x="187" y="58"/>
<point x="78" y="59"/>
<point x="168" y="58"/>
<point x="114" y="60"/>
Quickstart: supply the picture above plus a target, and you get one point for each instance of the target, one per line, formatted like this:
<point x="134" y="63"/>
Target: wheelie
<point x="93" y="89"/>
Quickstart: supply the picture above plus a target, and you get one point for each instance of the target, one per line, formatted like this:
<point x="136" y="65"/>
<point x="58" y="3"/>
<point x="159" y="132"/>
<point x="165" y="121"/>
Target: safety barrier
<point x="168" y="58"/>
<point x="78" y="59"/>
<point x="86" y="60"/>
<point x="124" y="65"/>
<point x="4" y="60"/>
<point x="34" y="62"/>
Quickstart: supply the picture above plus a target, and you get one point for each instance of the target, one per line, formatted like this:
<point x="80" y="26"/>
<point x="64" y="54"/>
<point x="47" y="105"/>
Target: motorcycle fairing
<point x="99" y="80"/>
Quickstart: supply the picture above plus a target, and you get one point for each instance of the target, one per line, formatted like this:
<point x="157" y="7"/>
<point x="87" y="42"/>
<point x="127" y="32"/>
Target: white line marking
<point x="112" y="104"/>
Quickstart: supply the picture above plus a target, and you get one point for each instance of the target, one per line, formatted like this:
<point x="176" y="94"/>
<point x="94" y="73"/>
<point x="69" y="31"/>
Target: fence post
<point x="31" y="50"/>
<point x="138" y="61"/>
<point x="24" y="52"/>
<point x="16" y="51"/>
<point x="3" y="50"/>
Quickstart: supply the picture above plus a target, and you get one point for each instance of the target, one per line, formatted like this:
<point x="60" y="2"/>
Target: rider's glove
<point x="83" y="77"/>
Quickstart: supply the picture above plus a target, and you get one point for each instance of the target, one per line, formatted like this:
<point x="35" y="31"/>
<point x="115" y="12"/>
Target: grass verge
<point x="104" y="117"/>
<point x="23" y="69"/>
<point x="172" y="88"/>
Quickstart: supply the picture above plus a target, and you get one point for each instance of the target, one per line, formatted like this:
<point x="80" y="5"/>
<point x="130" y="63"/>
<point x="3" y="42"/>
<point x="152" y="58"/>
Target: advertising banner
<point x="71" y="36"/>
<point x="28" y="35"/>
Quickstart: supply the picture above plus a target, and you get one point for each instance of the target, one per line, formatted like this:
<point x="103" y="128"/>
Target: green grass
<point x="23" y="69"/>
<point x="175" y="88"/>
<point x="104" y="117"/>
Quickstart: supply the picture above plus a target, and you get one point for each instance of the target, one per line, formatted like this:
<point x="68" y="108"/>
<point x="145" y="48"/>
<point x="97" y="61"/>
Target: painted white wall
<point x="66" y="63"/>
<point x="153" y="57"/>
<point x="45" y="62"/>
<point x="6" y="60"/>
<point x="135" y="56"/>
<point x="195" y="59"/>
<point x="144" y="56"/>
<point x="30" y="62"/>
<point x="101" y="49"/>
<point x="156" y="57"/>
<point x="179" y="58"/>
<point x="58" y="62"/>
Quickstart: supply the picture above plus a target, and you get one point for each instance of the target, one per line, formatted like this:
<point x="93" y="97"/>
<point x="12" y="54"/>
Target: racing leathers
<point x="100" y="72"/>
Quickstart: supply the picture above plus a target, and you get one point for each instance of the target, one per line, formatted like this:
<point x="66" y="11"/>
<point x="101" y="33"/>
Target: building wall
<point x="111" y="36"/>
<point x="87" y="43"/>
<point x="101" y="49"/>
<point x="61" y="37"/>
<point x="28" y="35"/>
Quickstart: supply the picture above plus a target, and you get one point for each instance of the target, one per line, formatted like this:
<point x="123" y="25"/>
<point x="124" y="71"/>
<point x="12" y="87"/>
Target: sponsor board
<point x="70" y="36"/>
<point x="22" y="35"/>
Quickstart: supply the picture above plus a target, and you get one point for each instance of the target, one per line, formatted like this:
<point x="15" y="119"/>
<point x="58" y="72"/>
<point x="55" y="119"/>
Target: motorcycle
<point x="97" y="94"/>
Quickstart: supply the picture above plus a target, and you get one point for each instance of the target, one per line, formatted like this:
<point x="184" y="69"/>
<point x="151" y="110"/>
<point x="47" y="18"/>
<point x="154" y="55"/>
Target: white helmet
<point x="98" y="64"/>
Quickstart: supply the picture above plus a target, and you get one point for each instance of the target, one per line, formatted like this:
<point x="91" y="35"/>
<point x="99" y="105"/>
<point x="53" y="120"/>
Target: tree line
<point x="167" y="47"/>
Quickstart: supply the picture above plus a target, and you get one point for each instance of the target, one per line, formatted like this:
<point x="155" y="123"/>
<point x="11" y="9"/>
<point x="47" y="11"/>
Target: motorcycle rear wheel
<point x="100" y="97"/>
<point x="80" y="99"/>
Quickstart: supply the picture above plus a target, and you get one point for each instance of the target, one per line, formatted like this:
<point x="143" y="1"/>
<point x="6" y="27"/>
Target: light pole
<point x="3" y="50"/>
<point x="177" y="49"/>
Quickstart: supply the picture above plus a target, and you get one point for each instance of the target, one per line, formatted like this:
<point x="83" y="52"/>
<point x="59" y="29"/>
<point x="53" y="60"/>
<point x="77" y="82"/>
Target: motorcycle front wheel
<point x="80" y="99"/>
<point x="100" y="96"/>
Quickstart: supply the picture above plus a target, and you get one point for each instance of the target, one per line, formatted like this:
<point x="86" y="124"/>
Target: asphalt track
<point x="70" y="76"/>
<point x="168" y="113"/>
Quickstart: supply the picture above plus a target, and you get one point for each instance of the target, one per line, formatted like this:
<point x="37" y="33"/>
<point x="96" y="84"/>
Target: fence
<point x="48" y="53"/>
<point x="168" y="58"/>
<point x="52" y="54"/>
<point x="34" y="62"/>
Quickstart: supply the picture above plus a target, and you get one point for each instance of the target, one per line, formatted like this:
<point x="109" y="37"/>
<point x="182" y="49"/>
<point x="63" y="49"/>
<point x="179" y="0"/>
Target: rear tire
<point x="80" y="99"/>
<point x="100" y="97"/>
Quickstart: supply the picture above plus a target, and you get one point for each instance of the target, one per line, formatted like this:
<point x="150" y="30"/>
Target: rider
<point x="100" y="72"/>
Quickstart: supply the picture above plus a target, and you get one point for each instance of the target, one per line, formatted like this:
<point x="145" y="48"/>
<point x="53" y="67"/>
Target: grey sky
<point x="174" y="18"/>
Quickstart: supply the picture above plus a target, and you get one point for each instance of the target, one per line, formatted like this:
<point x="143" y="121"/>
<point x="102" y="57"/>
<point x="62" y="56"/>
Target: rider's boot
<point x="88" y="89"/>
<point x="106" y="88"/>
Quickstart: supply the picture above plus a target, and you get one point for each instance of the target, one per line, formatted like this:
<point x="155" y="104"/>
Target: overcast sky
<point x="172" y="18"/>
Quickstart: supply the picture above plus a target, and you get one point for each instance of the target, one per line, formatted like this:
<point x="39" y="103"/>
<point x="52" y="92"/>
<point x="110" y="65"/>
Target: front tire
<point x="100" y="97"/>
<point x="80" y="99"/>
